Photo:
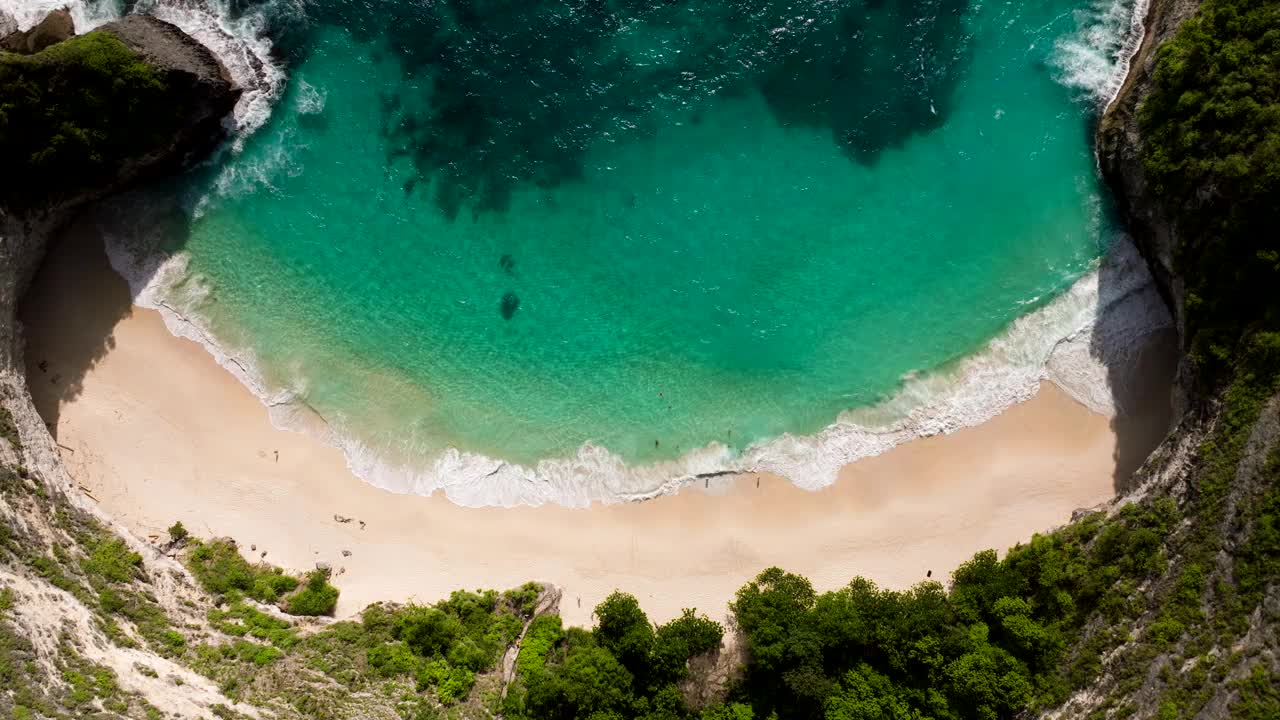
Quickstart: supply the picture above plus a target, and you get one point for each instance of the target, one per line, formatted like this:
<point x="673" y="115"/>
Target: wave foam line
<point x="1075" y="341"/>
<point x="1096" y="58"/>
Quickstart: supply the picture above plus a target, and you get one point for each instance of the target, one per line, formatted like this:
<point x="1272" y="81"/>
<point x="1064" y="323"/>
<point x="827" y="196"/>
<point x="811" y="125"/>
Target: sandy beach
<point x="157" y="432"/>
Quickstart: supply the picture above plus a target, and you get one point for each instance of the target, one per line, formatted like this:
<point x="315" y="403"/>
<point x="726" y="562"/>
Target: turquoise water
<point x="647" y="228"/>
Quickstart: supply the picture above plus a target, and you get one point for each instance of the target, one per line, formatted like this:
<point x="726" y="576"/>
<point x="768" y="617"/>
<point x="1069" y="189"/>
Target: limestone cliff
<point x="1120" y="145"/>
<point x="186" y="79"/>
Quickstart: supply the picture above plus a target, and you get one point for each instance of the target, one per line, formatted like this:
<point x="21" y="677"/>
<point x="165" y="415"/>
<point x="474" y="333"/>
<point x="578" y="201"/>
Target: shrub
<point x="112" y="560"/>
<point x="317" y="597"/>
<point x="220" y="569"/>
<point x="394" y="658"/>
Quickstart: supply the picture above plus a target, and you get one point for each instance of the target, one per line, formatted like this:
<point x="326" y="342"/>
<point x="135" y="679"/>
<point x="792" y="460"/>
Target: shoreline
<point x="1074" y="341"/>
<point x="156" y="431"/>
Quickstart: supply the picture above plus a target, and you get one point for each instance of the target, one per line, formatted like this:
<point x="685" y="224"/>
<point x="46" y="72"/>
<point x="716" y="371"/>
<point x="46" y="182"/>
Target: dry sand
<point x="157" y="432"/>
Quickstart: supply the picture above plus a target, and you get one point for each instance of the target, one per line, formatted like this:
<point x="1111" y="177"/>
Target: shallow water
<point x="647" y="228"/>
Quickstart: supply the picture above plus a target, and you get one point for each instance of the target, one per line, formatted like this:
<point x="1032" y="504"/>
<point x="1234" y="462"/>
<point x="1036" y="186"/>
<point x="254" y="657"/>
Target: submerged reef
<point x="500" y="94"/>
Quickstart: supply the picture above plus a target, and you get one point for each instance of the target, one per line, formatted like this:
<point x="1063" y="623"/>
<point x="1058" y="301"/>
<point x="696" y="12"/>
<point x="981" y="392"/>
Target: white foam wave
<point x="1095" y="58"/>
<point x="1076" y="341"/>
<point x="239" y="41"/>
<point x="85" y="15"/>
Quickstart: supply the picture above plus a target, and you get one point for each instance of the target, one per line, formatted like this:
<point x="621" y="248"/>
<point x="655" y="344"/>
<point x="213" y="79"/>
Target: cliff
<point x="62" y="145"/>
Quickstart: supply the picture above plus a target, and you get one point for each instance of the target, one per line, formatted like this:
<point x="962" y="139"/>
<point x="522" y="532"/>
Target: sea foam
<point x="1095" y="58"/>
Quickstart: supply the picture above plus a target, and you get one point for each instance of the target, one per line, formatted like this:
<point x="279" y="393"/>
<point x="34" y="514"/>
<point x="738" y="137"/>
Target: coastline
<point x="1083" y="340"/>
<point x="156" y="431"/>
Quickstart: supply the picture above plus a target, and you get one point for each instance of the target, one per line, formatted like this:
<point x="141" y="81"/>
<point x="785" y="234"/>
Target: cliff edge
<point x="61" y="145"/>
<point x="1120" y="146"/>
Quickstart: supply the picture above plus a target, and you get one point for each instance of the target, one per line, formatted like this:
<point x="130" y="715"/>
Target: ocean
<point x="584" y="252"/>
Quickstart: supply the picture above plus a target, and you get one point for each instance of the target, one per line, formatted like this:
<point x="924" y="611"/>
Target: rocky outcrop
<point x="198" y="83"/>
<point x="1120" y="155"/>
<point x="201" y="89"/>
<point x="56" y="27"/>
<point x="1120" y="147"/>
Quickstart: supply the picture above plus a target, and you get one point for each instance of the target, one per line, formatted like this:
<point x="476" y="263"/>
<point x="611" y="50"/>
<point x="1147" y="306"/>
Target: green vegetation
<point x="222" y="570"/>
<point x="317" y="596"/>
<point x="624" y="668"/>
<point x="61" y="111"/>
<point x="177" y="532"/>
<point x="1212" y="128"/>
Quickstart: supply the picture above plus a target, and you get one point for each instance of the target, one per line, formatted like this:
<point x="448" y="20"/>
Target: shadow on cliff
<point x="71" y="312"/>
<point x="1135" y="340"/>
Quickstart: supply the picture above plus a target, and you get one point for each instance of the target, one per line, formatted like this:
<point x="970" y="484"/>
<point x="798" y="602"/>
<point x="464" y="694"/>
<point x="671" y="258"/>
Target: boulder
<point x="53" y="29"/>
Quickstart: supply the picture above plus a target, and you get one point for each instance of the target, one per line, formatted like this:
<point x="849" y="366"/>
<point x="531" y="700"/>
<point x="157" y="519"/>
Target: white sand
<point x="157" y="432"/>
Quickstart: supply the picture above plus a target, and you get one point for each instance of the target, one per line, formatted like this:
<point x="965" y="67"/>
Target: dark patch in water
<point x="510" y="93"/>
<point x="508" y="306"/>
<point x="507" y="263"/>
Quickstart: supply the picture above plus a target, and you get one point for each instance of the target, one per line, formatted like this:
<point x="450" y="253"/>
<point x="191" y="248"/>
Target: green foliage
<point x="451" y="683"/>
<point x="543" y="635"/>
<point x="1258" y="696"/>
<point x="1212" y="129"/>
<point x="523" y="599"/>
<point x="62" y="111"/>
<point x="112" y="561"/>
<point x="589" y="680"/>
<point x="678" y="641"/>
<point x="624" y="630"/>
<point x="317" y="596"/>
<point x="242" y="619"/>
<point x="394" y="658"/>
<point x="988" y="648"/>
<point x="178" y="532"/>
<point x="220" y="569"/>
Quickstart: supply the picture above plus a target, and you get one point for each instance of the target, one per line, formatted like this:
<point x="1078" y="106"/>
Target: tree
<point x="624" y="630"/>
<point x="867" y="695"/>
<point x="591" y="680"/>
<point x="427" y="631"/>
<point x="678" y="641"/>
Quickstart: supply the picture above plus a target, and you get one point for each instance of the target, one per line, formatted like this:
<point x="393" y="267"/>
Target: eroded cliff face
<point x="1120" y="146"/>
<point x="196" y="83"/>
<point x="51" y="621"/>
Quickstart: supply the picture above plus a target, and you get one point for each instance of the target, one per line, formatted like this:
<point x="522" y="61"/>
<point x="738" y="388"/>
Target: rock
<point x="324" y="566"/>
<point x="53" y="29"/>
<point x="8" y="25"/>
<point x="198" y="81"/>
<point x="341" y="518"/>
<point x="1119" y="146"/>
<point x="346" y="553"/>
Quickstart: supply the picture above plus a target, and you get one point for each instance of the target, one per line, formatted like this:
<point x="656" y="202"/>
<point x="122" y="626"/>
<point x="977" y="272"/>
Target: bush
<point x="220" y="569"/>
<point x="394" y="658"/>
<point x="178" y="532"/>
<point x="317" y="597"/>
<point x="112" y="561"/>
